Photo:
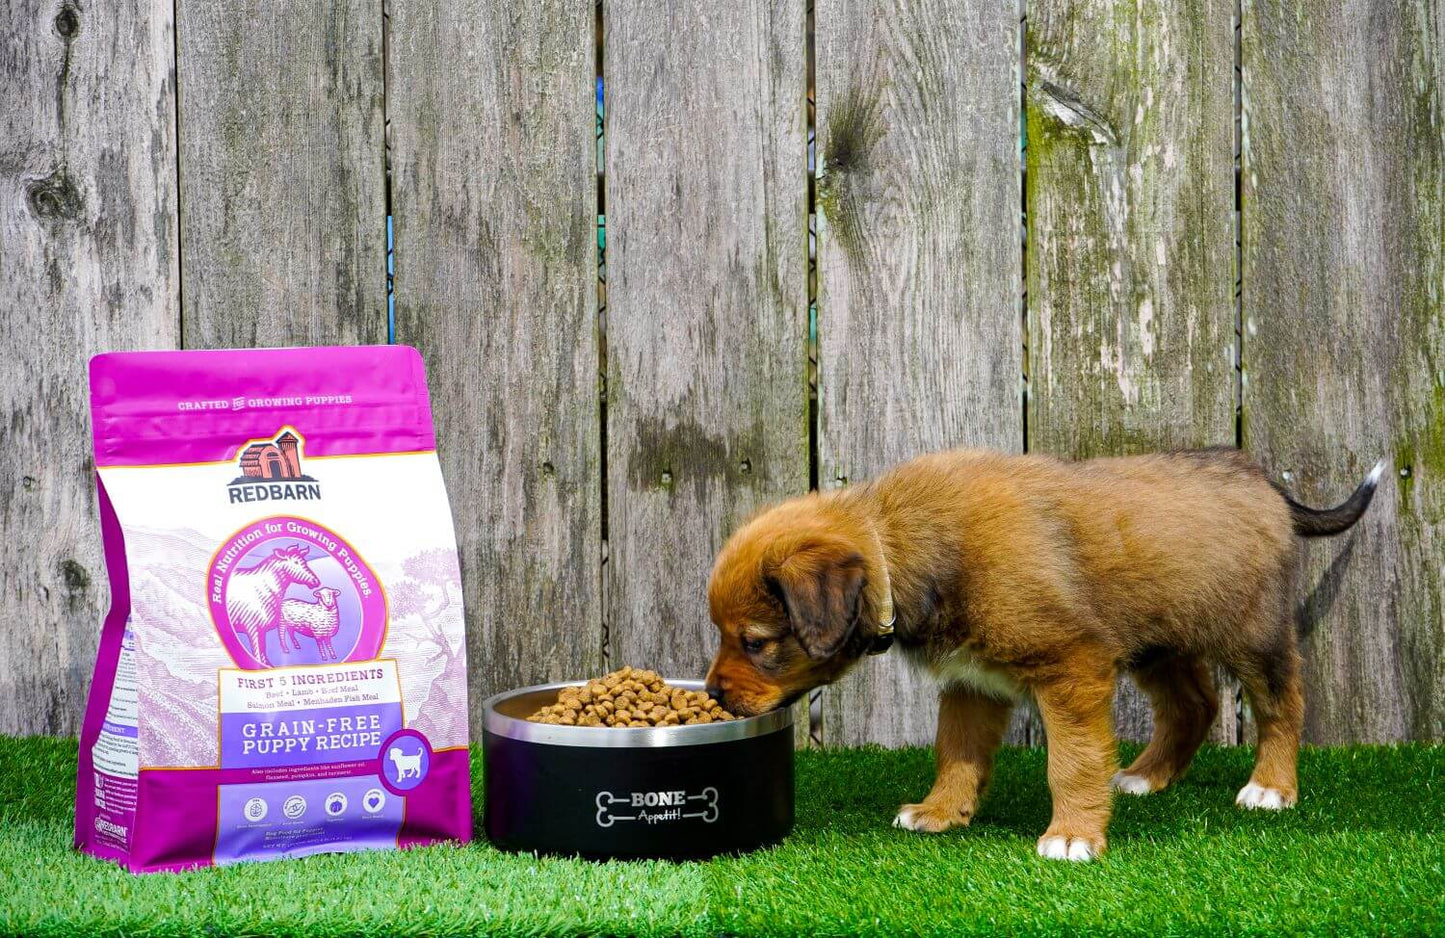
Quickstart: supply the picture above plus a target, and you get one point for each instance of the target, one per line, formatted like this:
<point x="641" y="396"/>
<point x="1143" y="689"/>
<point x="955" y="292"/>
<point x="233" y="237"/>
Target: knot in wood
<point x="74" y="575"/>
<point x="54" y="197"/>
<point x="67" y="22"/>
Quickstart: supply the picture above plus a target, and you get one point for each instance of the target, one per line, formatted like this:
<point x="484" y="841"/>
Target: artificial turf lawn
<point x="1363" y="853"/>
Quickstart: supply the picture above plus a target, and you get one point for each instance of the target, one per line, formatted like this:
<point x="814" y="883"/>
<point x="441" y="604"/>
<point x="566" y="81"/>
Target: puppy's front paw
<point x="1253" y="796"/>
<point x="1129" y="784"/>
<point x="1065" y="847"/>
<point x="929" y="818"/>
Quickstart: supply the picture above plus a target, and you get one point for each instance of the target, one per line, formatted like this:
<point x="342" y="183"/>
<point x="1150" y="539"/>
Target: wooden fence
<point x="220" y="173"/>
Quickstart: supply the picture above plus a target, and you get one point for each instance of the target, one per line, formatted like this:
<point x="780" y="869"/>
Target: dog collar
<point x="887" y="615"/>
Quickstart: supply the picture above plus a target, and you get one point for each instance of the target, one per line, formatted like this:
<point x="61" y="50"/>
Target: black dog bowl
<point x="676" y="792"/>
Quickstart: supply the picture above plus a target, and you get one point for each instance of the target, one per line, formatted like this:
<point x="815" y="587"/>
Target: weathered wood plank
<point x="283" y="200"/>
<point x="88" y="263"/>
<point x="1131" y="257"/>
<point x="706" y="156"/>
<point x="918" y="270"/>
<point x="1344" y="258"/>
<point x="494" y="195"/>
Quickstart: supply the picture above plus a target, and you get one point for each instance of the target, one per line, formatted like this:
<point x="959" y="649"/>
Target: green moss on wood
<point x="855" y="125"/>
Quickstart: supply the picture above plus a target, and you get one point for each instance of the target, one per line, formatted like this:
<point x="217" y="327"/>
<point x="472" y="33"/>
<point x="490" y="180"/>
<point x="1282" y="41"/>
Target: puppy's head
<point x="788" y="596"/>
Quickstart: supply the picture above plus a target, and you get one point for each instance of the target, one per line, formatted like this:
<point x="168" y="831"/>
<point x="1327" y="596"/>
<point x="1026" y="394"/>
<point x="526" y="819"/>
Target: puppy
<point x="1008" y="577"/>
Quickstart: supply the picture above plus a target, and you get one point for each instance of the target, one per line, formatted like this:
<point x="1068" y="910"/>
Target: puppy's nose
<point x="716" y="693"/>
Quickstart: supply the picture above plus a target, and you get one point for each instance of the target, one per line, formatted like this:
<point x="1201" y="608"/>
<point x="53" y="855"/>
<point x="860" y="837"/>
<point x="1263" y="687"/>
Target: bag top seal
<point x="171" y="408"/>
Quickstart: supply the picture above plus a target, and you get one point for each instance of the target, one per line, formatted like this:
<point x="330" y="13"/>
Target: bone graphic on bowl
<point x="709" y="811"/>
<point x="606" y="800"/>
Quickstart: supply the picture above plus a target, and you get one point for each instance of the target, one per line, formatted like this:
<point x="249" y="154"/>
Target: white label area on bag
<point x="115" y="756"/>
<point x="116" y="750"/>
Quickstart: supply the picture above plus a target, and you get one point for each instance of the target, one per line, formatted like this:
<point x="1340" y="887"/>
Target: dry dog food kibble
<point x="631" y="697"/>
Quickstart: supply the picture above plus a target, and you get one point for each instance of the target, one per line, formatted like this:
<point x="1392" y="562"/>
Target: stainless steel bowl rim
<point x="607" y="737"/>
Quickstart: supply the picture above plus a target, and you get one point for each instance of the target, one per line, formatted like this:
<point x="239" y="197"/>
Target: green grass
<point x="1363" y="853"/>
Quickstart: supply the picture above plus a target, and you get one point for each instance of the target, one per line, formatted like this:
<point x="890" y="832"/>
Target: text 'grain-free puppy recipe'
<point x="630" y="697"/>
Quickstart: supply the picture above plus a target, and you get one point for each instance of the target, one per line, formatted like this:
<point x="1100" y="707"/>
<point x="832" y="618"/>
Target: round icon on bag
<point x="374" y="800"/>
<point x="335" y="804"/>
<point x="294" y="807"/>
<point x="405" y="761"/>
<point x="255" y="809"/>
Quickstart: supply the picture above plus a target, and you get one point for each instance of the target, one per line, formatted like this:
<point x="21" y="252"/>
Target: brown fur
<point x="1041" y="575"/>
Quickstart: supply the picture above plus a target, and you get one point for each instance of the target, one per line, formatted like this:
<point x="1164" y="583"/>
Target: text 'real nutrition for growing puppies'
<point x="283" y="668"/>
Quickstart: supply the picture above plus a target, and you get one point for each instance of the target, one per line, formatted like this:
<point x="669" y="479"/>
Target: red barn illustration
<point x="278" y="460"/>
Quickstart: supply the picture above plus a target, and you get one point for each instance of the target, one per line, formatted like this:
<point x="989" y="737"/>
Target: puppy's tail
<point x="1316" y="522"/>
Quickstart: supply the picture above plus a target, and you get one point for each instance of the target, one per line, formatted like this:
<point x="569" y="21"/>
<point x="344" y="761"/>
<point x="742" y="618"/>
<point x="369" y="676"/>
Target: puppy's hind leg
<point x="1185" y="703"/>
<point x="1272" y="682"/>
<point x="970" y="727"/>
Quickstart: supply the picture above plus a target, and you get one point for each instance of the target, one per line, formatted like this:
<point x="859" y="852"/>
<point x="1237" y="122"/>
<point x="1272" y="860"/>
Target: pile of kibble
<point x="631" y="697"/>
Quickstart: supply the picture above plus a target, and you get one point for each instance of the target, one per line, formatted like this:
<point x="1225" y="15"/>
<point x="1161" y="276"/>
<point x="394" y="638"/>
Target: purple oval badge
<point x="289" y="591"/>
<point x="405" y="760"/>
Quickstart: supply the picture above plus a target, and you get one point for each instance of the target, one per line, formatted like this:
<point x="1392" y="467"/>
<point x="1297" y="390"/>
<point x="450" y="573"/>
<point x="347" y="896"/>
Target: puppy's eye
<point x="753" y="645"/>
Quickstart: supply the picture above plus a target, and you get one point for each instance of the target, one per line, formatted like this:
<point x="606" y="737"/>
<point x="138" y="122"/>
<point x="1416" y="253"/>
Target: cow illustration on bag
<point x="253" y="595"/>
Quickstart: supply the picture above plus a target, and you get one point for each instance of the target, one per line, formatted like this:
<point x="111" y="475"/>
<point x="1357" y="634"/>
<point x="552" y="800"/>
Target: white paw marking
<point x="914" y="817"/>
<point x="1268" y="799"/>
<point x="1066" y="848"/>
<point x="907" y="818"/>
<point x="1130" y="784"/>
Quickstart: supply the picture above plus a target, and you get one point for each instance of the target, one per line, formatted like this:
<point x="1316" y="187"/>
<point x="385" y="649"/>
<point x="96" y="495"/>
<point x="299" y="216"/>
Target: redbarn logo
<point x="271" y="472"/>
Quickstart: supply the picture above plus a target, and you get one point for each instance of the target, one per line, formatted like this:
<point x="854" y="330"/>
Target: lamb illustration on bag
<point x="253" y="597"/>
<point x="321" y="621"/>
<point x="407" y="766"/>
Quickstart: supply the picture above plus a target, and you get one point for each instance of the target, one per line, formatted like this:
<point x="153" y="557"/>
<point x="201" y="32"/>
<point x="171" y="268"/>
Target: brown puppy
<point x="1025" y="576"/>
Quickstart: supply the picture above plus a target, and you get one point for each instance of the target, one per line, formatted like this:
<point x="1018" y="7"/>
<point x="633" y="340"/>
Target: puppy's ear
<point x="820" y="584"/>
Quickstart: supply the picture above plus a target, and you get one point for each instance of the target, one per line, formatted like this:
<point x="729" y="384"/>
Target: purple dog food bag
<point x="283" y="668"/>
